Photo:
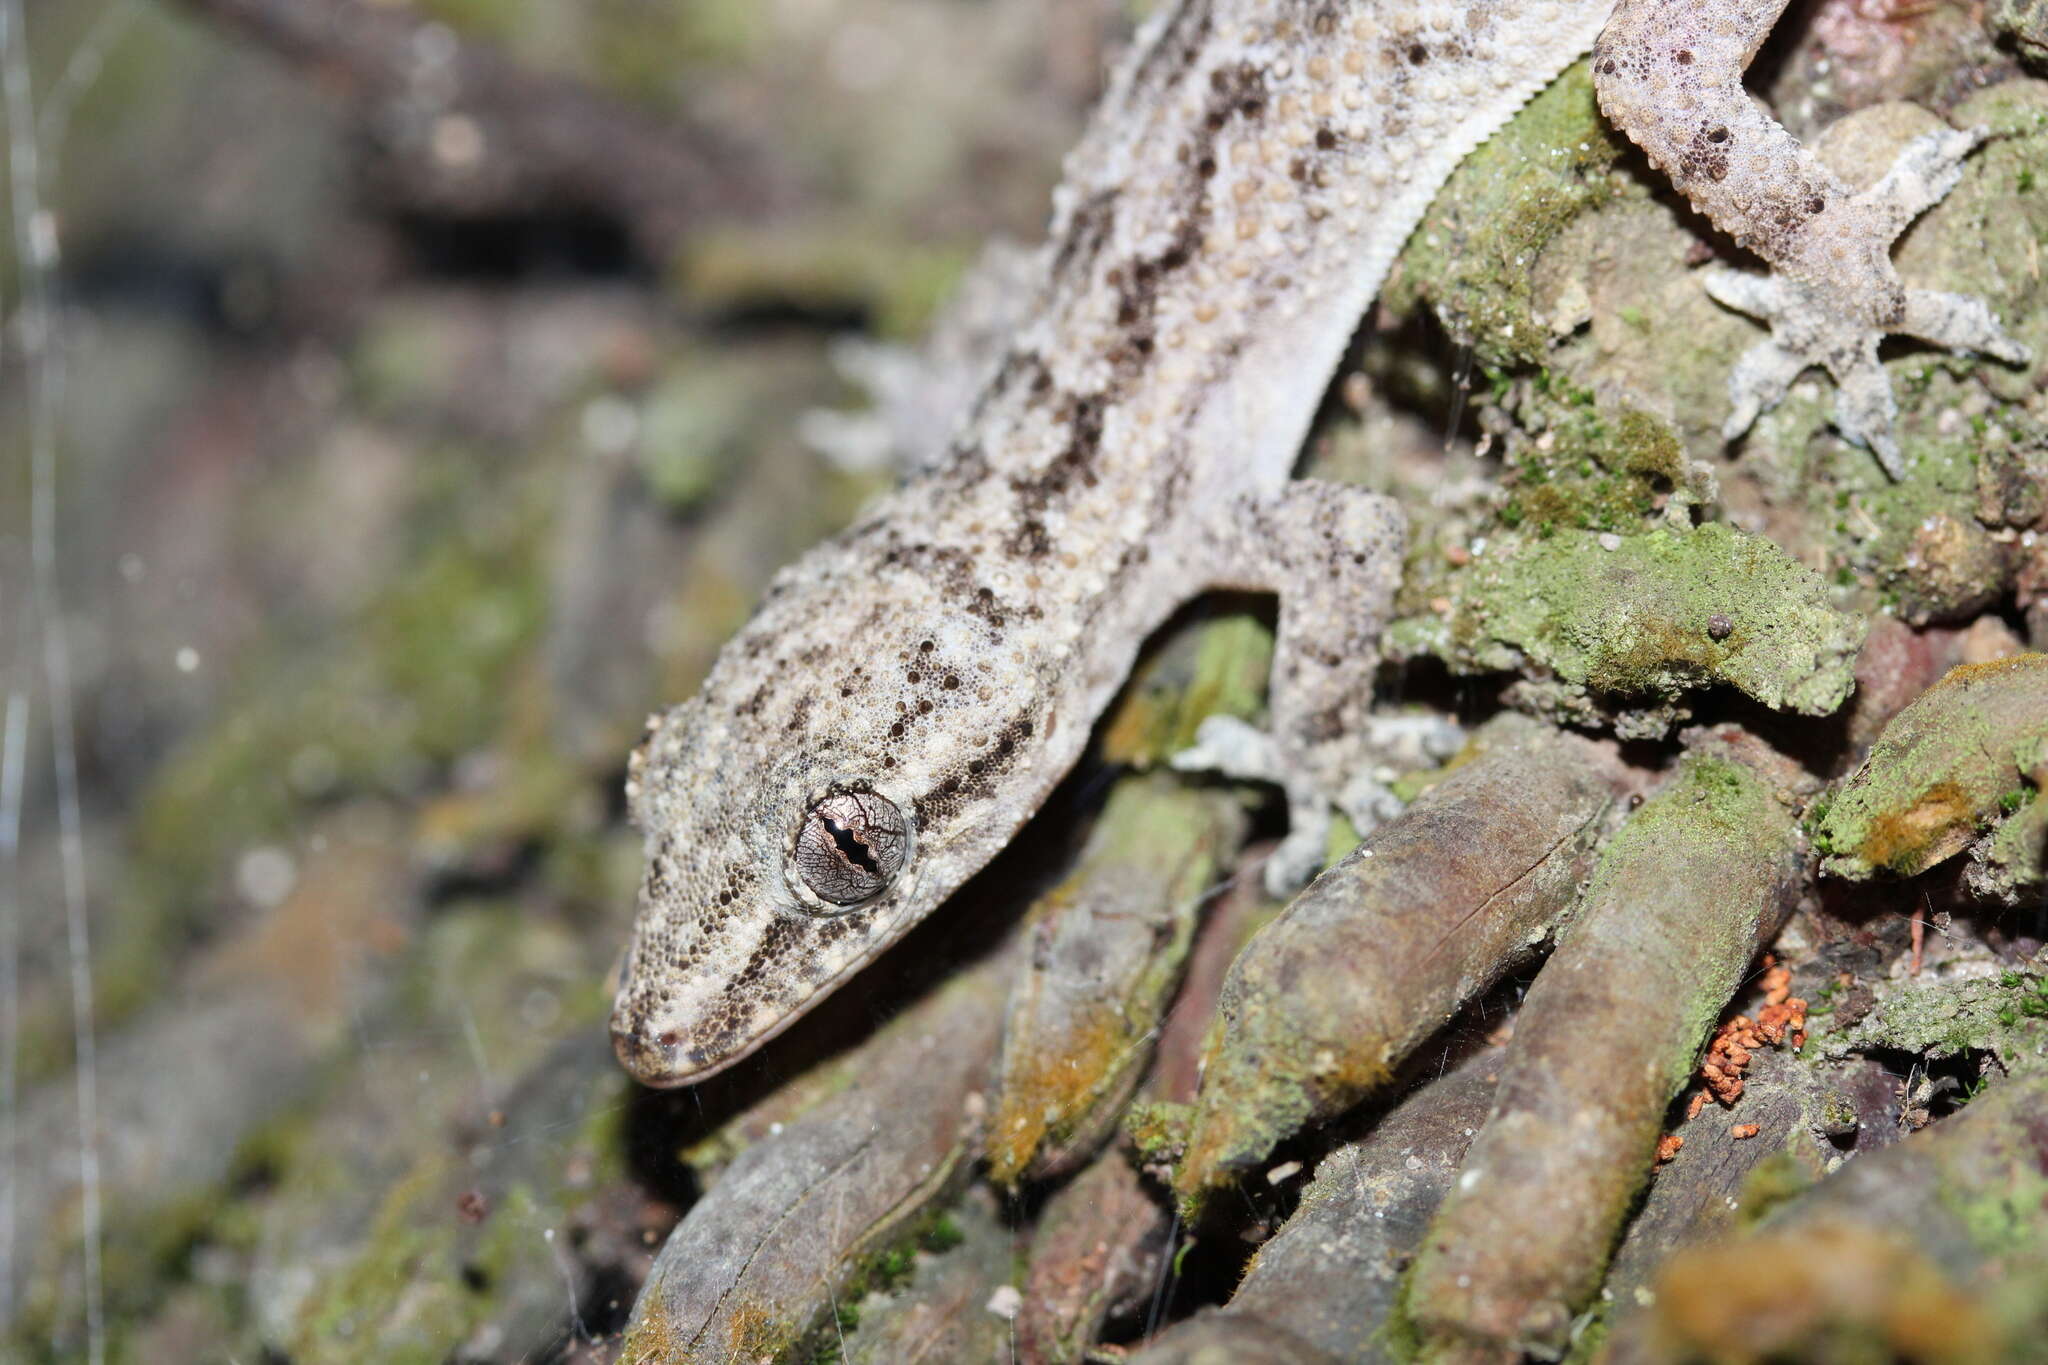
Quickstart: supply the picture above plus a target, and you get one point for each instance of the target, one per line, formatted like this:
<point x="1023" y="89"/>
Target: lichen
<point x="2005" y="1017"/>
<point x="1500" y="209"/>
<point x="2013" y="861"/>
<point x="1917" y="544"/>
<point x="1920" y="545"/>
<point x="1647" y="618"/>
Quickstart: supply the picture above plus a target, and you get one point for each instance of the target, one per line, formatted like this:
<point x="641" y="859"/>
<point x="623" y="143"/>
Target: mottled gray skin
<point x="1225" y="221"/>
<point x="1221" y="228"/>
<point x="1669" y="74"/>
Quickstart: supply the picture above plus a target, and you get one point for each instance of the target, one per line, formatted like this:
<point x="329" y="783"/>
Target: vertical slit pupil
<point x="852" y="847"/>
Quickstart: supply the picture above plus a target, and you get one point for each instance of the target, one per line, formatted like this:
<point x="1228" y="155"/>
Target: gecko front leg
<point x="1332" y="552"/>
<point x="1669" y="74"/>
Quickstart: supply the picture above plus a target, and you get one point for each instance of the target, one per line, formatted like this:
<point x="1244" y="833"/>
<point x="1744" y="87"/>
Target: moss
<point x="426" y="671"/>
<point x="1043" y="1101"/>
<point x="1714" y="814"/>
<point x="1650" y="617"/>
<point x="1595" y="469"/>
<point x="1589" y="1334"/>
<point x="1400" y="1337"/>
<point x="1344" y="836"/>
<point x="439" y="663"/>
<point x="1071" y="1056"/>
<point x="351" y="1315"/>
<point x="1472" y="255"/>
<point x="1159" y="1128"/>
<point x="2003" y="1215"/>
<point x="887" y="1270"/>
<point x="756" y="1335"/>
<point x="651" y="1338"/>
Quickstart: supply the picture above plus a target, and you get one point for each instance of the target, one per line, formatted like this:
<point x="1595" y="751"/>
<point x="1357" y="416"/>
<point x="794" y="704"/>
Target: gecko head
<point x="816" y="799"/>
<point x="764" y="884"/>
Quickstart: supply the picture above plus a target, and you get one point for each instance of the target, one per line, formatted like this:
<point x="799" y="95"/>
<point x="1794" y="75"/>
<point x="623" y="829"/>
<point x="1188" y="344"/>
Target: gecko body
<point x="908" y="693"/>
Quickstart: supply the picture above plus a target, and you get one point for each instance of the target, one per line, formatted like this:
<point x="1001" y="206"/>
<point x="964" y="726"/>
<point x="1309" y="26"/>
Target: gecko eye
<point x="851" y="846"/>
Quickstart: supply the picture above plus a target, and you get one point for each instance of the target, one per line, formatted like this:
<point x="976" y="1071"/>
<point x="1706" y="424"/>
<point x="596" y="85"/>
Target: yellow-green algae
<point x="1943" y="770"/>
<point x="1153" y="852"/>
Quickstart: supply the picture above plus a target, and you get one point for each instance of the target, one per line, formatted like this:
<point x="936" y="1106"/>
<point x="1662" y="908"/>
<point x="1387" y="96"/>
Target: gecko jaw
<point x="670" y="1066"/>
<point x="655" y="1041"/>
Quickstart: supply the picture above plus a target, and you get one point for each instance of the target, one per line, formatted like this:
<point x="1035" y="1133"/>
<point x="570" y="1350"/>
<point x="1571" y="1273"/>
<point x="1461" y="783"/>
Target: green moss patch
<point x="1506" y="202"/>
<point x="1648" y="617"/>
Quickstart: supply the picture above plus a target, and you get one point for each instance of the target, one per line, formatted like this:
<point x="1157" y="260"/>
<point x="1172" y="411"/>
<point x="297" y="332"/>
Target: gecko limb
<point x="1807" y="331"/>
<point x="1669" y="75"/>
<point x="1333" y="552"/>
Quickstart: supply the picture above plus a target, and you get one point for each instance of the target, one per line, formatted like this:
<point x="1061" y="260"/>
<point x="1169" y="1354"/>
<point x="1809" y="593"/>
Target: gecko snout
<point x="660" y="1061"/>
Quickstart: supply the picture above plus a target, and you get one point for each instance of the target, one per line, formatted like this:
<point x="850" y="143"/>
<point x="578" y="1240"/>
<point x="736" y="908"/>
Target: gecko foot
<point x="1229" y="746"/>
<point x="1809" y="325"/>
<point x="1332" y="552"/>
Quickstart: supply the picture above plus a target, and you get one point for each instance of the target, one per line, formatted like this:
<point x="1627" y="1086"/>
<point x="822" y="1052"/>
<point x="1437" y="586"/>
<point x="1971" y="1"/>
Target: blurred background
<point x="397" y="402"/>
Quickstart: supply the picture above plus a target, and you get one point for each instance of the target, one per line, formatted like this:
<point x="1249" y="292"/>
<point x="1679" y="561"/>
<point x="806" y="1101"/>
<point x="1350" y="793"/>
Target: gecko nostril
<point x="640" y="1057"/>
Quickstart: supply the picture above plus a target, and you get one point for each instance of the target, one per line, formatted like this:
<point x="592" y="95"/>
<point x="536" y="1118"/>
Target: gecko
<point x="907" y="694"/>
